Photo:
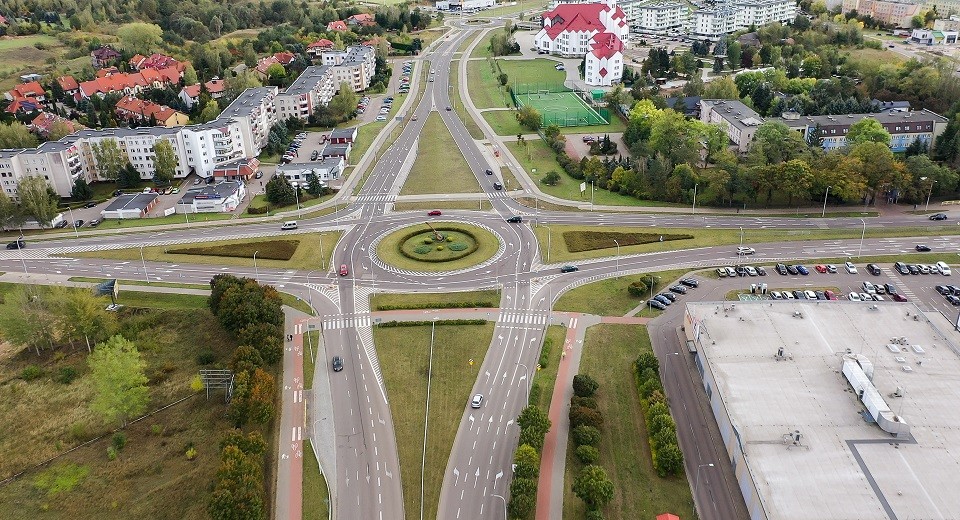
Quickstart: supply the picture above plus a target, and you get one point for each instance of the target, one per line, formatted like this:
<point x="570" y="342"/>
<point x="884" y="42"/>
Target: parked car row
<point x="742" y="270"/>
<point x="385" y="109"/>
<point x="293" y="151"/>
<point x="938" y="268"/>
<point x="951" y="293"/>
<point x="405" y="77"/>
<point x="362" y="104"/>
<point x="804" y="295"/>
<point x="666" y="298"/>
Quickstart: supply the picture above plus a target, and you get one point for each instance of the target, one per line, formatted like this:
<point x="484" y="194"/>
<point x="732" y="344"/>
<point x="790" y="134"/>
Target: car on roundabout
<point x="344" y="270"/>
<point x="434" y="213"/>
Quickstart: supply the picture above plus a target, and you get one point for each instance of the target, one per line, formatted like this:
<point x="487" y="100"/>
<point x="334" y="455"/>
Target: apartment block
<point x="656" y="18"/>
<point x="315" y="86"/>
<point x="897" y="14"/>
<point x="355" y="66"/>
<point x="725" y="19"/>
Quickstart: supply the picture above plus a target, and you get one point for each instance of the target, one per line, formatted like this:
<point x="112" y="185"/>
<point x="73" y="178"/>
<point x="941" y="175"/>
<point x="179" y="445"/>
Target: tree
<point x="117" y="371"/>
<point x="733" y="54"/>
<point x="16" y="135"/>
<point x="593" y="487"/>
<point x="210" y="111"/>
<point x="280" y="192"/>
<point x="587" y="454"/>
<point x="774" y="143"/>
<point x="140" y="37"/>
<point x="344" y="103"/>
<point x="190" y="75"/>
<point x="523" y="497"/>
<point x="584" y="385"/>
<point x="27" y="319"/>
<point x="534" y="425"/>
<point x="867" y="130"/>
<point x="552" y="178"/>
<point x="586" y="436"/>
<point x="276" y="73"/>
<point x="721" y="88"/>
<point x="669" y="460"/>
<point x="527" y="462"/>
<point x="10" y="214"/>
<point x="314" y="187"/>
<point x="238" y="494"/>
<point x="583" y="416"/>
<point x="36" y="201"/>
<point x="59" y="130"/>
<point x="647" y="360"/>
<point x="82" y="315"/>
<point x="530" y="117"/>
<point x="81" y="190"/>
<point x="503" y="79"/>
<point x="109" y="158"/>
<point x="797" y="179"/>
<point x="129" y="177"/>
<point x="164" y="162"/>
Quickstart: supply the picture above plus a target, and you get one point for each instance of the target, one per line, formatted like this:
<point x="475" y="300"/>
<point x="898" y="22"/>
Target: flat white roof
<point x="847" y="467"/>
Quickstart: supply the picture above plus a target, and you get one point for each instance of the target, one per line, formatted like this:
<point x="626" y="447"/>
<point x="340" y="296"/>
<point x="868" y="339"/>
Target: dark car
<point x="657" y="305"/>
<point x="761" y="271"/>
<point x="873" y="269"/>
<point x="943" y="290"/>
<point x="337" y="363"/>
<point x="515" y="219"/>
<point x="913" y="269"/>
<point x="890" y="288"/>
<point x="938" y="216"/>
<point x="120" y="192"/>
<point x="95" y="222"/>
<point x="802" y="270"/>
<point x="78" y="223"/>
<point x="497" y="186"/>
<point x="820" y="295"/>
<point x="792" y="269"/>
<point x="488" y="171"/>
<point x="16" y="244"/>
<point x="799" y="295"/>
<point x="741" y="271"/>
<point x="897" y="297"/>
<point x="953" y="300"/>
<point x="660" y="298"/>
<point x="690" y="282"/>
<point x="670" y="296"/>
<point x="90" y="205"/>
<point x="954" y="289"/>
<point x="448" y="109"/>
<point x="62" y="224"/>
<point x="782" y="269"/>
<point x="923" y="248"/>
<point x="901" y="268"/>
<point x="569" y="269"/>
<point x="679" y="289"/>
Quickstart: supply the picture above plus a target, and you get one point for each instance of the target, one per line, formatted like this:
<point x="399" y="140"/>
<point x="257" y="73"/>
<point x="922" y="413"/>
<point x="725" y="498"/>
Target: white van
<point x="943" y="268"/>
<point x="289" y="225"/>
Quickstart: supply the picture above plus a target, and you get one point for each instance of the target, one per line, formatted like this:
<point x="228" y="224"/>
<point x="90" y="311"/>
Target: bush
<point x="647" y="360"/>
<point x="66" y="375"/>
<point x="657" y="409"/>
<point x="664" y="437"/>
<point x="584" y="385"/>
<point x="422" y="250"/>
<point x="637" y="289"/>
<point x="258" y="211"/>
<point x="119" y="440"/>
<point x="31" y="372"/>
<point x="595" y="514"/>
<point x="112" y="453"/>
<point x="78" y="432"/>
<point x="580" y="416"/>
<point x="545" y="353"/>
<point x="649" y="387"/>
<point x="191" y="453"/>
<point x="587" y="454"/>
<point x="458" y="246"/>
<point x="669" y="460"/>
<point x="205" y="357"/>
<point x="659" y="422"/>
<point x="656" y="397"/>
<point x="586" y="436"/>
<point x="586" y="402"/>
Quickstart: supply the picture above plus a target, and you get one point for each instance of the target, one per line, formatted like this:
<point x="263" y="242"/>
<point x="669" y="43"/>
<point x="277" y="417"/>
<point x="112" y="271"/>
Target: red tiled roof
<point x="132" y="107"/>
<point x="68" y="83"/>
<point x="322" y="43"/>
<point x="580" y="17"/>
<point x="107" y="71"/>
<point x="27" y="90"/>
<point x="192" y="91"/>
<point x="362" y="17"/>
<point x="605" y="45"/>
<point x="120" y="81"/>
<point x="337" y="25"/>
<point x="43" y="123"/>
<point x="264" y="63"/>
<point x="284" y="58"/>
<point x="215" y="86"/>
<point x="23" y="105"/>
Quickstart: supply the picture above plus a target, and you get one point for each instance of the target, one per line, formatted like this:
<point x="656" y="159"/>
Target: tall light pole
<point x="824" y="212"/>
<point x="144" y="264"/>
<point x="426" y="413"/>
<point x="695" y="186"/>
<point x="927" y="206"/>
<point x="862" y="234"/>
<point x="618" y="254"/>
<point x="505" y="517"/>
<point x="256" y="272"/>
<point x="740" y="251"/>
<point x="76" y="232"/>
<point x="296" y="193"/>
<point x="526" y="385"/>
<point x="697" y="484"/>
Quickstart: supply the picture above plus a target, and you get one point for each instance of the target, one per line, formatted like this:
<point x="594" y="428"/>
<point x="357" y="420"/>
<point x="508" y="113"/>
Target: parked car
<point x="810" y="295"/>
<point x="670" y="296"/>
<point x="78" y="223"/>
<point x="913" y="269"/>
<point x="782" y="269"/>
<point x="62" y="224"/>
<point x="660" y="298"/>
<point x="943" y="268"/>
<point x="731" y="272"/>
<point x="890" y="288"/>
<point x="901" y="268"/>
<point x="776" y="295"/>
<point x="897" y="297"/>
<point x="832" y="269"/>
<point x="830" y="295"/>
<point x="657" y="305"/>
<point x="820" y="268"/>
<point x="802" y="270"/>
<point x="943" y="290"/>
<point x="750" y="270"/>
<point x="854" y="297"/>
<point x="792" y="269"/>
<point x="690" y="282"/>
<point x="722" y="272"/>
<point x="953" y="300"/>
<point x="95" y="222"/>
<point x="869" y="287"/>
<point x="874" y="269"/>
<point x="800" y="295"/>
<point x="679" y="289"/>
<point x="761" y="271"/>
<point x="852" y="269"/>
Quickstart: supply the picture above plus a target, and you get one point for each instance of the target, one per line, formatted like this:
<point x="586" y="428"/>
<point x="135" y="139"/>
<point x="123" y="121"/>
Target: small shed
<point x="131" y="206"/>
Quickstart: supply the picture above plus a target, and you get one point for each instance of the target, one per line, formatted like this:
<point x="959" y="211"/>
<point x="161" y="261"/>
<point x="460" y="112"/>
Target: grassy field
<point x="537" y="154"/>
<point x="389" y="251"/>
<point x="316" y="502"/>
<point x="504" y="122"/>
<point x="439" y="167"/>
<point x="483" y="87"/>
<point x="539" y="70"/>
<point x="268" y="250"/>
<point x="457" y="101"/>
<point x="310" y="338"/>
<point x="608" y="356"/>
<point x="151" y="300"/>
<point x="433" y="300"/>
<point x="479" y="205"/>
<point x="260" y="201"/>
<point x="546" y="378"/>
<point x="867" y="57"/>
<point x="307" y="256"/>
<point x="609" y="297"/>
<point x="21" y="52"/>
<point x="704" y="237"/>
<point x="405" y="377"/>
<point x="151" y="478"/>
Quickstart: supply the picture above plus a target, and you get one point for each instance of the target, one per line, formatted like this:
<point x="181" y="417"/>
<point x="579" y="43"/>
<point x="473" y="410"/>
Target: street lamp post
<point x="862" y="234"/>
<point x="256" y="272"/>
<point x="824" y="212"/>
<point x="309" y="290"/>
<point x="618" y="254"/>
<point x="76" y="232"/>
<point x="697" y="484"/>
<point x="505" y="517"/>
<point x="927" y="206"/>
<point x="695" y="186"/>
<point x="296" y="194"/>
<point x="739" y="251"/>
<point x="144" y="264"/>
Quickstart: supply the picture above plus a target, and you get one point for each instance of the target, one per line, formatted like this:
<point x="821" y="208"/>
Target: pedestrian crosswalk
<point x="521" y="317"/>
<point x="902" y="287"/>
<point x="367" y="199"/>
<point x="333" y="322"/>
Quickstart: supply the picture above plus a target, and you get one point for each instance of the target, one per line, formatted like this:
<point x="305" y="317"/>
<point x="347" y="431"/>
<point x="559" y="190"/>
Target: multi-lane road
<point x="363" y="468"/>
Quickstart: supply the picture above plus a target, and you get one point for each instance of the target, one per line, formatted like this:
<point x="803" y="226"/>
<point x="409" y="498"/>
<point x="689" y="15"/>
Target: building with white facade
<point x="328" y="169"/>
<point x="895" y="13"/>
<point x="221" y="197"/>
<point x="596" y="31"/>
<point x="656" y="17"/>
<point x="740" y="14"/>
<point x="315" y="86"/>
<point x="355" y="66"/>
<point x="933" y="37"/>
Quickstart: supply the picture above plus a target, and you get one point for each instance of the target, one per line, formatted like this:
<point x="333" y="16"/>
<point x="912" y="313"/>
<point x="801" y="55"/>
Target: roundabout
<point x="442" y="247"/>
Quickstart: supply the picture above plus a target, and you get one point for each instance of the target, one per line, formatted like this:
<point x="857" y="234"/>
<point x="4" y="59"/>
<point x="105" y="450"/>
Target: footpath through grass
<point x="489" y="298"/>
<point x="440" y="166"/>
<point x="307" y="256"/>
<point x="608" y="356"/>
<point x="405" y="377"/>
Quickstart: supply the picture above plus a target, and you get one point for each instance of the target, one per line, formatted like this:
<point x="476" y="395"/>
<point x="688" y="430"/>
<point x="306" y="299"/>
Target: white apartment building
<point x="740" y="14"/>
<point x="657" y="17"/>
<point x="316" y="86"/>
<point x="355" y="66"/>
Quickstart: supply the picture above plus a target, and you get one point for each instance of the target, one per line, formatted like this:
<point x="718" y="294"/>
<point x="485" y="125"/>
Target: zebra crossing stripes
<point x="366" y="199"/>
<point x="903" y="288"/>
<point x="333" y="322"/>
<point x="522" y="318"/>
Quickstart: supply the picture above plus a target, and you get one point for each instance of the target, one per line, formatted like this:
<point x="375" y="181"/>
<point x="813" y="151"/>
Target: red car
<point x="897" y="297"/>
<point x="830" y="295"/>
<point x="821" y="268"/>
<point x="343" y="270"/>
<point x="434" y="213"/>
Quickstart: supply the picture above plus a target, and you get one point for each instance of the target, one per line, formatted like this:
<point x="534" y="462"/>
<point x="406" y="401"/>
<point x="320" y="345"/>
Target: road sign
<point x="471" y="361"/>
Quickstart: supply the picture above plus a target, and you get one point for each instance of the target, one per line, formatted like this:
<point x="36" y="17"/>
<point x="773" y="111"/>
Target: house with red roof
<point x="25" y="98"/>
<point x="102" y="57"/>
<point x="3" y="20"/>
<point x="595" y="31"/>
<point x="69" y="86"/>
<point x="43" y="123"/>
<point x="362" y="20"/>
<point x="283" y="58"/>
<point x="131" y="108"/>
<point x="190" y="94"/>
<point x="130" y="84"/>
<point x="315" y="49"/>
<point x="338" y="25"/>
<point x="155" y="61"/>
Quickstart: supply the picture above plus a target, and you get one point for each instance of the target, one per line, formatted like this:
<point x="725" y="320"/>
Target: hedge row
<point x="446" y="305"/>
<point x="534" y="425"/>
<point x="661" y="428"/>
<point x="430" y="322"/>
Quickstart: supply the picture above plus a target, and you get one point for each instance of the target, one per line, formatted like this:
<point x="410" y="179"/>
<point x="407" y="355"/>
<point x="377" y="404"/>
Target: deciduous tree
<point x="584" y="385"/>
<point x="16" y="135"/>
<point x="867" y="130"/>
<point x="164" y="162"/>
<point x="140" y="37"/>
<point x="37" y="200"/>
<point x="534" y="425"/>
<point x="523" y="497"/>
<point x="109" y="158"/>
<point x="82" y="315"/>
<point x="527" y="462"/>
<point x="593" y="487"/>
<point x="210" y="111"/>
<point x="117" y="371"/>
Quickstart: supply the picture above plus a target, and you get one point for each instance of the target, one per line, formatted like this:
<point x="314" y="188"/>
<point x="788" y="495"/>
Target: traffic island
<point x="440" y="247"/>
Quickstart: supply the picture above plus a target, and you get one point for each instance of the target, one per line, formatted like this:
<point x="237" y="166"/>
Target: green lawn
<point x="704" y="237"/>
<point x="609" y="297"/>
<point x="307" y="256"/>
<point x="536" y="154"/>
<point x="405" y="377"/>
<point x="608" y="356"/>
<point x="307" y="201"/>
<point x="531" y="72"/>
<point x="433" y="300"/>
<point x="310" y="339"/>
<point x="457" y="101"/>
<point x="479" y="205"/>
<point x="316" y="502"/>
<point x="439" y="166"/>
<point x="504" y="122"/>
<point x="545" y="378"/>
<point x="295" y="302"/>
<point x="20" y="52"/>
<point x="483" y="87"/>
<point x="389" y="251"/>
<point x="151" y="300"/>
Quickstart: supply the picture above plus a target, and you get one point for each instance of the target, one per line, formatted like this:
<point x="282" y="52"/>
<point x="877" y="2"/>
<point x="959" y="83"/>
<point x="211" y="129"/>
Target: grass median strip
<point x="467" y="299"/>
<point x="440" y="166"/>
<point x="478" y="205"/>
<point x="268" y="249"/>
<point x="405" y="377"/>
<point x="608" y="356"/>
<point x="545" y="377"/>
<point x="316" y="502"/>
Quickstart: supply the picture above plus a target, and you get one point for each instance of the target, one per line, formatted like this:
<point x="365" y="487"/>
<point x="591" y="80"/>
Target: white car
<point x="854" y="297"/>
<point x="750" y="270"/>
<point x="776" y="295"/>
<point x="869" y="288"/>
<point x="810" y="295"/>
<point x="943" y="268"/>
<point x="746" y="250"/>
<point x="477" y="401"/>
<point x="852" y="269"/>
<point x="381" y="118"/>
